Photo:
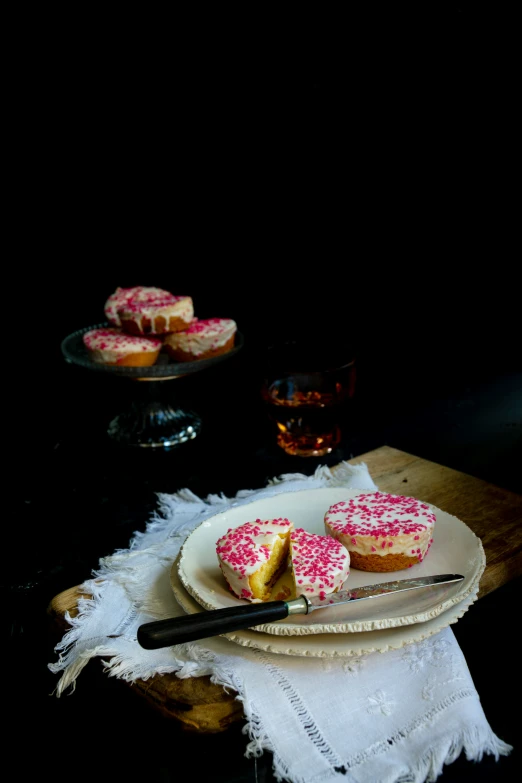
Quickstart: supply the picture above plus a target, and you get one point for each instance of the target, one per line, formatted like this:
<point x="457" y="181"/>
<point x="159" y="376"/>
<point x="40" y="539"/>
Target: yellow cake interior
<point x="263" y="580"/>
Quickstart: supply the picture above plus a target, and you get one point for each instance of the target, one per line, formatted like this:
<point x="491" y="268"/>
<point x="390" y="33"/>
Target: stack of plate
<point x="375" y="625"/>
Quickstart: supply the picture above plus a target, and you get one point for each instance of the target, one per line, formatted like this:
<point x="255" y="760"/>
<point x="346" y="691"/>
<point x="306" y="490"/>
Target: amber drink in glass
<point x="306" y="391"/>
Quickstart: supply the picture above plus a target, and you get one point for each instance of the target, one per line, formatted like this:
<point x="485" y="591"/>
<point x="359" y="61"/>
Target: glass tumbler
<point x="306" y="389"/>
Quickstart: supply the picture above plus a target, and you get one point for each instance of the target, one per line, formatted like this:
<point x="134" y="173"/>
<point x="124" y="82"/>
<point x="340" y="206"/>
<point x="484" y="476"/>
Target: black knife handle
<point x="175" y="630"/>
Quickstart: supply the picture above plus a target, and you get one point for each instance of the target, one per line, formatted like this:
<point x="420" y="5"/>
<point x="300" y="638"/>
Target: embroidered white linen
<point x="380" y="718"/>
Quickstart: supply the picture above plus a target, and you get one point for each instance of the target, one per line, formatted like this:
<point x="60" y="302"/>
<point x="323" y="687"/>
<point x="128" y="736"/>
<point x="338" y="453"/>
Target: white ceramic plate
<point x="330" y="645"/>
<point x="455" y="550"/>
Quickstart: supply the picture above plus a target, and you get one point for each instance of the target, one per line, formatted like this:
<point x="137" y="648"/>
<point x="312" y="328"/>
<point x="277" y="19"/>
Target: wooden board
<point x="494" y="514"/>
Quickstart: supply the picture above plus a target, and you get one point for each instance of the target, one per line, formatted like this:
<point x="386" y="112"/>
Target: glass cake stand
<point x="149" y="421"/>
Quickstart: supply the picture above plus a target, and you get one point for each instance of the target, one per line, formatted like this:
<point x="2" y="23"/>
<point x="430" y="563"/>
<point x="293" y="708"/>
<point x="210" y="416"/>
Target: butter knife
<point x="176" y="630"/>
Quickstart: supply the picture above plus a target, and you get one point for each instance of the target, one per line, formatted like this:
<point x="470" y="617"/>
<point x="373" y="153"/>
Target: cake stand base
<point x="154" y="425"/>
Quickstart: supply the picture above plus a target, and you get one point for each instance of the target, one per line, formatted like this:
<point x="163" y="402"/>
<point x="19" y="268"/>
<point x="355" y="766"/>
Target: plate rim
<point x="358" y="626"/>
<point x="309" y="646"/>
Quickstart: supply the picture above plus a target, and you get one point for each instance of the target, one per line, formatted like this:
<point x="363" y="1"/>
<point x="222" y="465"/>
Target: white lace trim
<point x="475" y="740"/>
<point x="259" y="738"/>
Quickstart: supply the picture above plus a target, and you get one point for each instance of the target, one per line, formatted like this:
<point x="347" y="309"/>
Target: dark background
<point x="344" y="178"/>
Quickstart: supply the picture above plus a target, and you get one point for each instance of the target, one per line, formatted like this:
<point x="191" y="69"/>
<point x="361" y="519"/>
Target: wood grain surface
<point x="494" y="515"/>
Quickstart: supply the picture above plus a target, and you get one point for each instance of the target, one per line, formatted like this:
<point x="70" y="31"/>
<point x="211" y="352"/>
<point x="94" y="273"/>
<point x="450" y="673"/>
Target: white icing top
<point x="380" y="523"/>
<point x="202" y="336"/>
<point x="320" y="564"/>
<point x="123" y="295"/>
<point x="155" y="306"/>
<point x="244" y="549"/>
<point x="109" y="345"/>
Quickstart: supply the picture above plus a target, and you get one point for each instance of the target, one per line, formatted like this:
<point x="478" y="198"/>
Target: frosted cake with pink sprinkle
<point x="382" y="532"/>
<point x="202" y="340"/>
<point x="320" y="564"/>
<point x="254" y="555"/>
<point x="113" y="346"/>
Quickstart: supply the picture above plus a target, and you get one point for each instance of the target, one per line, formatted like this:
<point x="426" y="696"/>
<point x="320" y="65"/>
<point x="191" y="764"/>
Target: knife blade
<point x="189" y="628"/>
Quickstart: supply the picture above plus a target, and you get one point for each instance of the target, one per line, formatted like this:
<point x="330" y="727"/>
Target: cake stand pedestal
<point x="154" y="422"/>
<point x="151" y="420"/>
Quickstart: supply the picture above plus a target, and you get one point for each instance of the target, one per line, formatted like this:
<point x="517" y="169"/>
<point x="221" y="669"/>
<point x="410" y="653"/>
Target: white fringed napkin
<point x="381" y="718"/>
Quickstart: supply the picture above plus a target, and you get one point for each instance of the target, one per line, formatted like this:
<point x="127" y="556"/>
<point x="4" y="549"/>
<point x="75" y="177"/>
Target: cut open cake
<point x="254" y="555"/>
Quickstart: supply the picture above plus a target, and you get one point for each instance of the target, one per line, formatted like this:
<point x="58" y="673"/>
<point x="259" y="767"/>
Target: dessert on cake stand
<point x="150" y="421"/>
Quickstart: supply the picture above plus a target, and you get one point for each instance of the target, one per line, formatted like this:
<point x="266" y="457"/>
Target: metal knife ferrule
<point x="301" y="605"/>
